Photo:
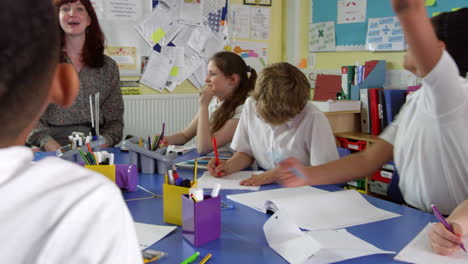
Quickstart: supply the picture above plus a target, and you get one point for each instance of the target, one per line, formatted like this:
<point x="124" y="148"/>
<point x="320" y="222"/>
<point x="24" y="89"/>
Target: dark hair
<point x="28" y="56"/>
<point x="450" y="28"/>
<point x="93" y="50"/>
<point x="230" y="63"/>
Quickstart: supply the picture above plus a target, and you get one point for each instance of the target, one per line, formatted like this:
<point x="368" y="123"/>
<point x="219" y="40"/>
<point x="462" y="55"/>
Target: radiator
<point x="145" y="114"/>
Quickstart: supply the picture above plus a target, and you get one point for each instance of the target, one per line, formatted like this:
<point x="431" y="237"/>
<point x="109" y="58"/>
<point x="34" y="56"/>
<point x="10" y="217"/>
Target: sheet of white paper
<point x="229" y="182"/>
<point x="351" y="11"/>
<point x="175" y="76"/>
<point x="149" y="234"/>
<point x="191" y="64"/>
<point x="338" y="245"/>
<point x="190" y="12"/>
<point x="123" y="9"/>
<point x="256" y="200"/>
<point x="260" y="23"/>
<point x="419" y="251"/>
<point x="198" y="38"/>
<point x="385" y="33"/>
<point x="322" y="36"/>
<point x="344" y="209"/>
<point x="239" y="21"/>
<point x="288" y="240"/>
<point x="157" y="71"/>
<point x="159" y="26"/>
<point x="214" y="43"/>
<point x="183" y="36"/>
<point x="200" y="75"/>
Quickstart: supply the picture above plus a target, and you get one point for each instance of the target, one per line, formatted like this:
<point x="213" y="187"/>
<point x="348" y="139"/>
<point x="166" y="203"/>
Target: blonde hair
<point x="281" y="92"/>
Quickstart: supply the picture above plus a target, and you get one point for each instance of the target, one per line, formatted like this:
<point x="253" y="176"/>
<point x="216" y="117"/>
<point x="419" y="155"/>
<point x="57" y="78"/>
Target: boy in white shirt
<point x="52" y="211"/>
<point x="428" y="141"/>
<point x="278" y="121"/>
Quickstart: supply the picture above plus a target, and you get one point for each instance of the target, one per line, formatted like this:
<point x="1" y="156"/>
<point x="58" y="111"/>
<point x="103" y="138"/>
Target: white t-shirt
<point x="224" y="150"/>
<point x="430" y="139"/>
<point x="54" y="211"/>
<point x="307" y="137"/>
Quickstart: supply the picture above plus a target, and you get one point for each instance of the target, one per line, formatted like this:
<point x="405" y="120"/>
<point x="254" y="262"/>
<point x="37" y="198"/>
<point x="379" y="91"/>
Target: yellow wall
<point x="334" y="60"/>
<point x="275" y="47"/>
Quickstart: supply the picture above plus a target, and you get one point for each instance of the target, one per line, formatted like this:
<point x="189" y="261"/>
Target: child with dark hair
<point x="278" y="121"/>
<point x="228" y="84"/>
<point x="428" y="140"/>
<point x="53" y="211"/>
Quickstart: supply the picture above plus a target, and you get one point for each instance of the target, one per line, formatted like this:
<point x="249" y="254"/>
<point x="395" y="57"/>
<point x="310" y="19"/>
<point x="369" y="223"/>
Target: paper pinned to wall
<point x="125" y="57"/>
<point x="322" y="36"/>
<point x="385" y="34"/>
<point x="254" y="53"/>
<point x="260" y="23"/>
<point x="98" y="6"/>
<point x="351" y="11"/>
<point x="239" y="21"/>
<point x="157" y="71"/>
<point x="175" y="74"/>
<point x="190" y="12"/>
<point x="123" y="9"/>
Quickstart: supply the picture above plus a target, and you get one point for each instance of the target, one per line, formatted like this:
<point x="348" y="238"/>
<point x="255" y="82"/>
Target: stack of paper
<point x="337" y="105"/>
<point x="322" y="211"/>
<point x="149" y="234"/>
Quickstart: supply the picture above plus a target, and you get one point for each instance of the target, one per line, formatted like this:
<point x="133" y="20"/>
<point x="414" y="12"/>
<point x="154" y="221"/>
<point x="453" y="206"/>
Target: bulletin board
<point x="353" y="36"/>
<point x="121" y="33"/>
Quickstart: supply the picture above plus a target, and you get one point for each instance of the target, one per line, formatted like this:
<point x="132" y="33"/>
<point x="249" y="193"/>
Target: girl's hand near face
<point x="206" y="95"/>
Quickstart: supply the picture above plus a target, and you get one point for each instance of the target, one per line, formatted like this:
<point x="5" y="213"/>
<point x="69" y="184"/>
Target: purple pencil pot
<point x="201" y="221"/>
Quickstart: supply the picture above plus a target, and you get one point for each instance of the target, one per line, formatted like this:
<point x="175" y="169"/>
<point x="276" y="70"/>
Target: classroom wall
<point x="275" y="48"/>
<point x="334" y="60"/>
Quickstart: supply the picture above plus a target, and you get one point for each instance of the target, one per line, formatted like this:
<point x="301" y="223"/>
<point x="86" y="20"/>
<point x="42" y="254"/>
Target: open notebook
<point x="315" y="209"/>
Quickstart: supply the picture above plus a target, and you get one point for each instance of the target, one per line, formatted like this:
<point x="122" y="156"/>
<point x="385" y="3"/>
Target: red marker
<point x="215" y="148"/>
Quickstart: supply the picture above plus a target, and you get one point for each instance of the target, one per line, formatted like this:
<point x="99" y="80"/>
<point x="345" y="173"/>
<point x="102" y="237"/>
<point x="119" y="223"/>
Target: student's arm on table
<point x="443" y="241"/>
<point x="351" y="167"/>
<point x="184" y="136"/>
<point x="237" y="162"/>
<point x="267" y="177"/>
<point x="419" y="34"/>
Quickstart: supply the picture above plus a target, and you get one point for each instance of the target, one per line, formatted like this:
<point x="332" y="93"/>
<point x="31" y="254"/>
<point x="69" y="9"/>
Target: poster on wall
<point x="385" y="34"/>
<point x="239" y="21"/>
<point x="351" y="11"/>
<point x="254" y="53"/>
<point x="125" y="57"/>
<point x="322" y="36"/>
<point x="123" y="9"/>
<point x="260" y="23"/>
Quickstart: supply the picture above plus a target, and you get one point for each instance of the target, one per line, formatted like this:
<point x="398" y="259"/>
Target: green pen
<point x="191" y="258"/>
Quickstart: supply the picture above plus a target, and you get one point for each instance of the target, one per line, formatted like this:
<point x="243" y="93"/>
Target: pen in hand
<point x="215" y="149"/>
<point x="447" y="225"/>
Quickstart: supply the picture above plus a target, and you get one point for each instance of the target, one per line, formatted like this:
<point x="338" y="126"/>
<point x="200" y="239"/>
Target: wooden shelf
<point x="358" y="136"/>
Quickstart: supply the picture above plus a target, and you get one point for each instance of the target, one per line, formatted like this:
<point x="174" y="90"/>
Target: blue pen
<point x="442" y="220"/>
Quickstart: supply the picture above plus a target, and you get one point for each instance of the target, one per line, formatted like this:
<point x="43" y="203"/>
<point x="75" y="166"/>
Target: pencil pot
<point x="172" y="203"/>
<point x="201" y="221"/>
<point x="163" y="165"/>
<point x="124" y="175"/>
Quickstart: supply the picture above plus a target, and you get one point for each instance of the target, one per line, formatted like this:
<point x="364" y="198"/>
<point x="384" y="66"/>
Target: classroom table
<point x="242" y="239"/>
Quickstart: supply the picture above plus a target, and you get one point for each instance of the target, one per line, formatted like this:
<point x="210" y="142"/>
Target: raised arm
<point x="422" y="41"/>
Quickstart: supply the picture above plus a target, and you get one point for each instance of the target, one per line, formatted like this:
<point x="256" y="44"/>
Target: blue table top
<point x="242" y="238"/>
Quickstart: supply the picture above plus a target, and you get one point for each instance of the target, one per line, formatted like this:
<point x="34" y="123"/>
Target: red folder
<point x="327" y="86"/>
<point x="368" y="67"/>
<point x="374" y="111"/>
